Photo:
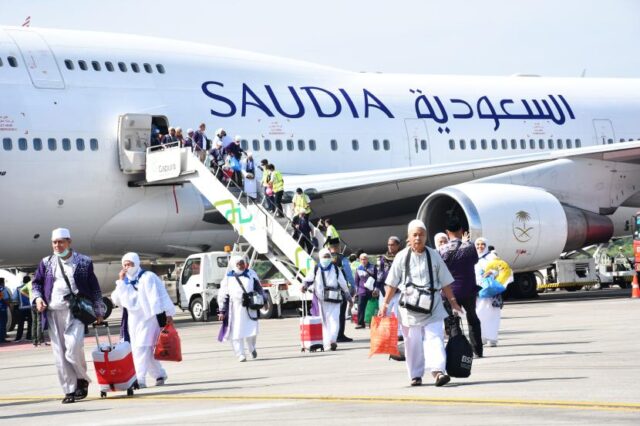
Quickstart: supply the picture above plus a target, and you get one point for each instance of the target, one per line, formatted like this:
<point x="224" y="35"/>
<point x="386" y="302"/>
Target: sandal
<point x="416" y="381"/>
<point x="69" y="398"/>
<point x="442" y="379"/>
<point x="82" y="389"/>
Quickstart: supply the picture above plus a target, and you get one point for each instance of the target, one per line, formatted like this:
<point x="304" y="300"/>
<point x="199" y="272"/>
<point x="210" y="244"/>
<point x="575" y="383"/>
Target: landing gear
<point x="524" y="286"/>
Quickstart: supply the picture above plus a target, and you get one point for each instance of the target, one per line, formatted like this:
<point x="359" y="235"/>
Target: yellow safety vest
<point x="332" y="232"/>
<point x="265" y="178"/>
<point x="277" y="181"/>
<point x="301" y="204"/>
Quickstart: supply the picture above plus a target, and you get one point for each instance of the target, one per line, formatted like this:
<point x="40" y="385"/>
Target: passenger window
<point x="37" y="144"/>
<point x="504" y="144"/>
<point x="7" y="144"/>
<point x="550" y="143"/>
<point x="300" y="144"/>
<point x="289" y="145"/>
<point x="109" y="66"/>
<point x="423" y="144"/>
<point x="463" y="144"/>
<point x="244" y="144"/>
<point x="609" y="141"/>
<point x="578" y="143"/>
<point x="66" y="144"/>
<point x="559" y="143"/>
<point x="256" y="145"/>
<point x="0" y="62"/>
<point x="80" y="144"/>
<point x="278" y="145"/>
<point x="355" y="145"/>
<point x="622" y="140"/>
<point x="83" y="65"/>
<point x="267" y="144"/>
<point x="312" y="145"/>
<point x="473" y="144"/>
<point x="13" y="63"/>
<point x="160" y="68"/>
<point x="96" y="65"/>
<point x="568" y="141"/>
<point x="532" y="144"/>
<point x="514" y="144"/>
<point x="494" y="144"/>
<point x="122" y="66"/>
<point x="386" y="144"/>
<point x="52" y="144"/>
<point x="541" y="143"/>
<point x="22" y="144"/>
<point x="148" y="68"/>
<point x="376" y="145"/>
<point x="135" y="67"/>
<point x="67" y="62"/>
<point x="483" y="143"/>
<point x="452" y="144"/>
<point x="334" y="145"/>
<point x="93" y="144"/>
<point x="523" y="144"/>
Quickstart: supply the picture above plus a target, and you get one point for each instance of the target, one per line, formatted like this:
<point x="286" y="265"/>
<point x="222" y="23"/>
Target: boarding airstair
<point x="266" y="234"/>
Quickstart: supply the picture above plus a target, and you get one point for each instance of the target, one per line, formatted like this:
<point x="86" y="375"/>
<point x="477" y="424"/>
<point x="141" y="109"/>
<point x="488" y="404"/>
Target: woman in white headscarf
<point x="440" y="240"/>
<point x="148" y="308"/>
<point x="423" y="332"/>
<point x="488" y="309"/>
<point x="329" y="289"/>
<point x="239" y="321"/>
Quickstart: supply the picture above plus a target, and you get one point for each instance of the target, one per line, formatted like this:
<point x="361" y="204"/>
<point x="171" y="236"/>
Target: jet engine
<point x="528" y="226"/>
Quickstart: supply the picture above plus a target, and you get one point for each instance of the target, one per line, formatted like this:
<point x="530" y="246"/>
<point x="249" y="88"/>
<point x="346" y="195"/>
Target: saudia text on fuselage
<point x="324" y="103"/>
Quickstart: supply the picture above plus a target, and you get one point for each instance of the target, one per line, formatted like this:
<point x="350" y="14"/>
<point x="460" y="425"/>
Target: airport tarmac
<point x="573" y="360"/>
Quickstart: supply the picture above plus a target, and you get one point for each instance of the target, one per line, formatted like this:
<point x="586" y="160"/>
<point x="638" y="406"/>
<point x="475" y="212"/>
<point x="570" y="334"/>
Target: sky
<point x="489" y="37"/>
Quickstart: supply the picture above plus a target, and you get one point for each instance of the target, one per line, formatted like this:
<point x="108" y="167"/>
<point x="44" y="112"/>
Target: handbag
<point x="250" y="300"/>
<point x="331" y="295"/>
<point x="490" y="288"/>
<point x="459" y="350"/>
<point x="416" y="298"/>
<point x="168" y="347"/>
<point x="80" y="306"/>
<point x="384" y="336"/>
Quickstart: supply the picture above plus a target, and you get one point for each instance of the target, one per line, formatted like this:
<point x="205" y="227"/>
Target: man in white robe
<point x="240" y="323"/>
<point x="147" y="302"/>
<point x="327" y="276"/>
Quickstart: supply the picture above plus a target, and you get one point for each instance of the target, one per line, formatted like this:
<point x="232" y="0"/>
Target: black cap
<point x="453" y="224"/>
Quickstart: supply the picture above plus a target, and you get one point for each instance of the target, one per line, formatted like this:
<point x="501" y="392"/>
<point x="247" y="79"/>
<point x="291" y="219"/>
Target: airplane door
<point x="418" y="138"/>
<point x="604" y="131"/>
<point x="41" y="64"/>
<point x="134" y="135"/>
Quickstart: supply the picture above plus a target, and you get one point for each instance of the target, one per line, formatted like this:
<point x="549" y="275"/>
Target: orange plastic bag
<point x="384" y="335"/>
<point x="168" y="345"/>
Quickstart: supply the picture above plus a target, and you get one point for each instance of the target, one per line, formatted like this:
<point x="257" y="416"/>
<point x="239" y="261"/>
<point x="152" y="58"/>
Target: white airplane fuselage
<point x="378" y="121"/>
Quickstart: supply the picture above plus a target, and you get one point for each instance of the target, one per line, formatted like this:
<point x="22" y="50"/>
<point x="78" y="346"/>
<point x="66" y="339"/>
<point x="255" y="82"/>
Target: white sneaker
<point x="242" y="358"/>
<point x="160" y="381"/>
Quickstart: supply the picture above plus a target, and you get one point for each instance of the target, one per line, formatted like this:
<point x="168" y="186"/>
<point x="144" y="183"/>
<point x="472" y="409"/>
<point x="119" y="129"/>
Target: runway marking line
<point x="579" y="405"/>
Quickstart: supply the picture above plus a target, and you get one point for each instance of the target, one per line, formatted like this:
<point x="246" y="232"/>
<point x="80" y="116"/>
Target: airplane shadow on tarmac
<point x="49" y="413"/>
<point x="495" y="382"/>
<point x="544" y="354"/>
<point x="544" y="344"/>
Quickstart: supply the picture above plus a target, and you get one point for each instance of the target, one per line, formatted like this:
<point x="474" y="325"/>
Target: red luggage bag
<point x="114" y="365"/>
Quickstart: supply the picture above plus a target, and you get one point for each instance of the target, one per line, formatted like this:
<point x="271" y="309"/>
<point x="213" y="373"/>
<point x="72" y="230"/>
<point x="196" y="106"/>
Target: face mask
<point x="63" y="254"/>
<point x="133" y="272"/>
<point x="325" y="262"/>
<point x="238" y="271"/>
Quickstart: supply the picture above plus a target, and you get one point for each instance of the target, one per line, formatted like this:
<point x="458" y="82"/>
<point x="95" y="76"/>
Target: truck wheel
<point x="539" y="281"/>
<point x="526" y="286"/>
<point x="268" y="310"/>
<point x="108" y="305"/>
<point x="196" y="307"/>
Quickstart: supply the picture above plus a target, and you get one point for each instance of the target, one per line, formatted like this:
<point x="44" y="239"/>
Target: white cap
<point x="237" y="138"/>
<point x="237" y="258"/>
<point x="220" y="130"/>
<point x="249" y="153"/>
<point x="324" y="252"/>
<point x="416" y="223"/>
<point x="189" y="131"/>
<point x="60" y="233"/>
<point x="131" y="257"/>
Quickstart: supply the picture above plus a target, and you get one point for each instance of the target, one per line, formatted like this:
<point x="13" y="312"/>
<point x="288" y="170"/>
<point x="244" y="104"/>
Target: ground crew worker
<point x="301" y="203"/>
<point x="332" y="236"/>
<point x="265" y="183"/>
<point x="23" y="295"/>
<point x="423" y="333"/>
<point x="277" y="185"/>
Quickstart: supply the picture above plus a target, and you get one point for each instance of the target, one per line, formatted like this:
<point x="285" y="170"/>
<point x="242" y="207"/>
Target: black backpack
<point x="459" y="350"/>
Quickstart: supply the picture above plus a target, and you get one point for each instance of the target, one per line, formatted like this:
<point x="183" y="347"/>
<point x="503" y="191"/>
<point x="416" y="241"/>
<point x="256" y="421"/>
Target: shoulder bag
<point x="416" y="298"/>
<point x="81" y="307"/>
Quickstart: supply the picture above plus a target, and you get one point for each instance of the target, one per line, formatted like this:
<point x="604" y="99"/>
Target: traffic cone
<point x="635" y="287"/>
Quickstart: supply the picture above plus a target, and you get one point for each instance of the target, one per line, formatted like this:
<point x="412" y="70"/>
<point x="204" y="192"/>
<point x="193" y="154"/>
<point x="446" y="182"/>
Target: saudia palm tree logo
<point x="520" y="228"/>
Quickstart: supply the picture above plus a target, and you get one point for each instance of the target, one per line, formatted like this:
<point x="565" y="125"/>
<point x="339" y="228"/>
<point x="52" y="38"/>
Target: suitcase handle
<point x="95" y="328"/>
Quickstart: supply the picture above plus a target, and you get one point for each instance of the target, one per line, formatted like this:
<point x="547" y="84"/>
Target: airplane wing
<point x="369" y="198"/>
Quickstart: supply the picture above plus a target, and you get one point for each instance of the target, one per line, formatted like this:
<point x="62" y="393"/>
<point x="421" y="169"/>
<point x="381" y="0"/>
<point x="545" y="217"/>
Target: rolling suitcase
<point x="114" y="365"/>
<point x="310" y="331"/>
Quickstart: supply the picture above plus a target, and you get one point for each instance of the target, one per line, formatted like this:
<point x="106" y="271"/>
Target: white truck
<point x="198" y="281"/>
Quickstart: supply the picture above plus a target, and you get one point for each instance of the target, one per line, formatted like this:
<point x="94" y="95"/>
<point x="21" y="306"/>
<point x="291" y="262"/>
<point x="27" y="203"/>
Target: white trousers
<point x="489" y="318"/>
<point x="67" y="342"/>
<point x="424" y="345"/>
<point x="330" y="323"/>
<point x="238" y="345"/>
<point x="145" y="363"/>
